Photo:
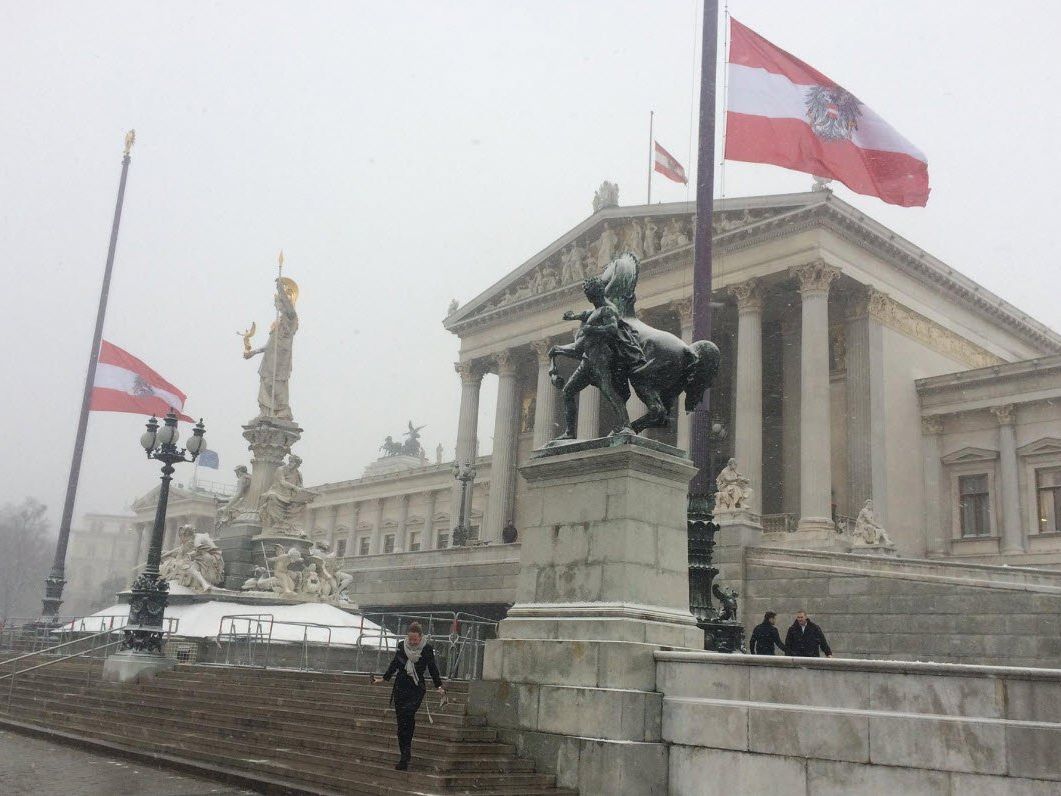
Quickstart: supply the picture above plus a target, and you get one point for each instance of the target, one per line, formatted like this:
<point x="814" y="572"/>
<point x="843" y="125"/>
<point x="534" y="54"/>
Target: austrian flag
<point x="785" y="112"/>
<point x="125" y="384"/>
<point x="667" y="165"/>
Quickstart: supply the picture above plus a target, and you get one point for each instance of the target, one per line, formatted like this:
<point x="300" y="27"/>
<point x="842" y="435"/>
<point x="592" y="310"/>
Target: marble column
<point x="351" y="534"/>
<point x="502" y="462"/>
<point x="748" y="432"/>
<point x="684" y="419"/>
<point x="588" y="414"/>
<point x="1012" y="532"/>
<point x="790" y="395"/>
<point x="544" y="398"/>
<point x="331" y="521"/>
<point x="935" y="541"/>
<point x="815" y="495"/>
<point x="375" y="547"/>
<point x="142" y="533"/>
<point x="864" y="394"/>
<point x="427" y="539"/>
<point x="471" y="376"/>
<point x="401" y="541"/>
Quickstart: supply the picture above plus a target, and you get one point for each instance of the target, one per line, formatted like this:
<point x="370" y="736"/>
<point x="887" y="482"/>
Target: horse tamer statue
<point x="617" y="352"/>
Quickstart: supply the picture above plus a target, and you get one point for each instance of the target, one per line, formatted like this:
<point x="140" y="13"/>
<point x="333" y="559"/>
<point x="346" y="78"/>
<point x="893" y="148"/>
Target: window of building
<point x="473" y="532"/>
<point x="443" y="540"/>
<point x="362" y="546"/>
<point x="340" y="548"/>
<point x="388" y="543"/>
<point x="1048" y="496"/>
<point x="974" y="505"/>
<point x="414" y="541"/>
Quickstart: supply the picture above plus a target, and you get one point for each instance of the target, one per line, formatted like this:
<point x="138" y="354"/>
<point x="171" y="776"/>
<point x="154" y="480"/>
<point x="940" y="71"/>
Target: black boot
<point x="403" y="761"/>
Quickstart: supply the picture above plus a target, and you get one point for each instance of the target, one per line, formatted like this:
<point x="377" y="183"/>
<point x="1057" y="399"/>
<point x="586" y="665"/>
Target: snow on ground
<point x="287" y="622"/>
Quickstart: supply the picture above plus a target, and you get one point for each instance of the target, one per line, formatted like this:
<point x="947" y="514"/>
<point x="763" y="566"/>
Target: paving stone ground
<point x="38" y="767"/>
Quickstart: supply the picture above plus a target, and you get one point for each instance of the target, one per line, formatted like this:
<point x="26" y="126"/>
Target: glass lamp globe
<point x="167" y="435"/>
<point x="196" y="444"/>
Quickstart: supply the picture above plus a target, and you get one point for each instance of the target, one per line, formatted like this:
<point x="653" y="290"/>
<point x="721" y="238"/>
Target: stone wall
<point x="909" y="609"/>
<point x="476" y="579"/>
<point x="753" y="724"/>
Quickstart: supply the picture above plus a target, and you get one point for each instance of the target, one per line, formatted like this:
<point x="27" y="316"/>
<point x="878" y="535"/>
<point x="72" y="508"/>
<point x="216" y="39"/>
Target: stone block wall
<point x="903" y="609"/>
<point x="753" y="724"/>
<point x="477" y="577"/>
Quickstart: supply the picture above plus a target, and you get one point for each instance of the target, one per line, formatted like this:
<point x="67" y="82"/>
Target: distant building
<point x="101" y="550"/>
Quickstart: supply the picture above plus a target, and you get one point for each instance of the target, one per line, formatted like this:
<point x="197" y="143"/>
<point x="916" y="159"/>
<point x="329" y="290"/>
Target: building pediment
<point x="1044" y="446"/>
<point x="970" y="454"/>
<point x="655" y="233"/>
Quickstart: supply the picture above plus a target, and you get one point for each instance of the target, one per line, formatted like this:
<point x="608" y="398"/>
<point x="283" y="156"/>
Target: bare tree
<point x="24" y="557"/>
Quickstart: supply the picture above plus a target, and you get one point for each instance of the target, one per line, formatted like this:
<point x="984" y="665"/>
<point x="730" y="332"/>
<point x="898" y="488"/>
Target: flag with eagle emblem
<point x="783" y="111"/>
<point x="125" y="384"/>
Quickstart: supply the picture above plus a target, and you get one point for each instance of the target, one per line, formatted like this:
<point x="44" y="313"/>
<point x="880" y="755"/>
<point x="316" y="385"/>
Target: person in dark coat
<point x="413" y="657"/>
<point x="765" y="636"/>
<point x="805" y="638"/>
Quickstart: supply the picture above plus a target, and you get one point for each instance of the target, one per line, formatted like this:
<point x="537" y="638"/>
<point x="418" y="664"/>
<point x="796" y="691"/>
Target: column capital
<point x="506" y="363"/>
<point x="1004" y="413"/>
<point x="748" y="294"/>
<point x="541" y="349"/>
<point x="470" y="371"/>
<point x="684" y="308"/>
<point x="815" y="277"/>
<point x="931" y="424"/>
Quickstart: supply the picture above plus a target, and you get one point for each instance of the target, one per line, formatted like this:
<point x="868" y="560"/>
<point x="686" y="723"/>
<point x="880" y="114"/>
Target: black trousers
<point x="405" y="706"/>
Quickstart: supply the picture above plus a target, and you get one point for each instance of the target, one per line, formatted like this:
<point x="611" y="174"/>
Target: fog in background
<point x="404" y="154"/>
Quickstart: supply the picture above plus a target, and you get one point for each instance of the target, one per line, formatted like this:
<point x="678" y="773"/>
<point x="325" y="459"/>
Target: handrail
<point x="171" y="625"/>
<point x="63" y="658"/>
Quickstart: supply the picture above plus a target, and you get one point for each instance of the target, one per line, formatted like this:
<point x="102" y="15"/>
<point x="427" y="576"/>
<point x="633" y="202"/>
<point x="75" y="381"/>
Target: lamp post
<point x="147" y="605"/>
<point x="702" y="530"/>
<point x="465" y="473"/>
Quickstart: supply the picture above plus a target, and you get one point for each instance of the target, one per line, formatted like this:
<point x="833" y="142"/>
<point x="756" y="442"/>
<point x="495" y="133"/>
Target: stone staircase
<point x="276" y="731"/>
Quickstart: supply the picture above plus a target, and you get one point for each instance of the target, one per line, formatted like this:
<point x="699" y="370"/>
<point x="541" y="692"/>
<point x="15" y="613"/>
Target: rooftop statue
<point x="412" y="446"/>
<point x="194" y="563"/>
<point x="275" y="369"/>
<point x="606" y="196"/>
<point x="617" y="353"/>
<point x="390" y="447"/>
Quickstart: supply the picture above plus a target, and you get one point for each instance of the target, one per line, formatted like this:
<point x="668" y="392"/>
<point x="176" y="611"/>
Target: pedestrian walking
<point x="414" y="656"/>
<point x="765" y="636"/>
<point x="805" y="638"/>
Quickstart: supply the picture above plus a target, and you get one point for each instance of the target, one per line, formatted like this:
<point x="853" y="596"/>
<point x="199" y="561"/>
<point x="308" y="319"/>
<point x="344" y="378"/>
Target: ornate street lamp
<point x="702" y="530"/>
<point x="465" y="473"/>
<point x="147" y="605"/>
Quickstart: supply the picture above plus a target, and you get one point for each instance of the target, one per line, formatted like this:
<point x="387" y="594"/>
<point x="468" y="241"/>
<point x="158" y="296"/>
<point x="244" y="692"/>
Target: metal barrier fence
<point x="263" y="641"/>
<point x="88" y="638"/>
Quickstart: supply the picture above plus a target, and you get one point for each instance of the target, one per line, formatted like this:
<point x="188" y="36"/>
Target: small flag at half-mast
<point x="667" y="165"/>
<point x="208" y="458"/>
<point x="125" y="384"/>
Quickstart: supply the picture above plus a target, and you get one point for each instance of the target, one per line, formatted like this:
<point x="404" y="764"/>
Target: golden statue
<point x="130" y="139"/>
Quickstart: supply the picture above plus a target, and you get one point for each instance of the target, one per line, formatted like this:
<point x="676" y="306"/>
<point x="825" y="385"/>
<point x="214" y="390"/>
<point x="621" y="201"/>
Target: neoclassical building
<point x="850" y="359"/>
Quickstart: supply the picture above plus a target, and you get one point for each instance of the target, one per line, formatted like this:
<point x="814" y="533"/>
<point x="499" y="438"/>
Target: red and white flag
<point x="668" y="165"/>
<point x="785" y="112"/>
<point x="125" y="384"/>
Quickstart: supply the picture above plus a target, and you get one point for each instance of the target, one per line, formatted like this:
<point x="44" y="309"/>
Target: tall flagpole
<point x="701" y="529"/>
<point x="705" y="198"/>
<point x="53" y="584"/>
<point x="651" y="155"/>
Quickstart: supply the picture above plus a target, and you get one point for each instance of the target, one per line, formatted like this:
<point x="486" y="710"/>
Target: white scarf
<point x="412" y="655"/>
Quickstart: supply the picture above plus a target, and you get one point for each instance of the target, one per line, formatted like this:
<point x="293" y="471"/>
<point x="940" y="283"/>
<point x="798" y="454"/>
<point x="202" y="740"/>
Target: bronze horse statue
<point x="617" y="352"/>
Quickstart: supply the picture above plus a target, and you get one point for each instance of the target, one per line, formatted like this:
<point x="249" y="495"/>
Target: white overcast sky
<point x="406" y="153"/>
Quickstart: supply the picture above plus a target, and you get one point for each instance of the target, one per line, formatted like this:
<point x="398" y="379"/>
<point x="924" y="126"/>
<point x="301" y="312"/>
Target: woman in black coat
<point x="414" y="656"/>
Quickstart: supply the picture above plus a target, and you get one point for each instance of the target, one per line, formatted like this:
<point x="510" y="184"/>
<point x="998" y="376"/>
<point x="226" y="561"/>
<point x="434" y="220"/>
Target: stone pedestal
<point x="823" y="537"/>
<point x="737" y="529"/>
<point x="603" y="584"/>
<point x="270" y="441"/>
<point x="880" y="550"/>
<point x="124" y="667"/>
